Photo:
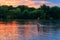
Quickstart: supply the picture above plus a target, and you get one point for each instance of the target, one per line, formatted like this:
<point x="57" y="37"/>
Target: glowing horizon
<point x="30" y="3"/>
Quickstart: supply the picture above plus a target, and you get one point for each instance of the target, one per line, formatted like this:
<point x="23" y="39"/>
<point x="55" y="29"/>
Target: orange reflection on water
<point x="7" y="30"/>
<point x="30" y="30"/>
<point x="10" y="31"/>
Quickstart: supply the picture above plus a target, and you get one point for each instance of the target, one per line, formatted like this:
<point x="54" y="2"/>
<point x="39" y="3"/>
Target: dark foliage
<point x="8" y="13"/>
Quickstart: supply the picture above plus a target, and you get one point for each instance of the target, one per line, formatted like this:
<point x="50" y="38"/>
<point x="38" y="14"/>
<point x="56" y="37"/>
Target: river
<point x="28" y="30"/>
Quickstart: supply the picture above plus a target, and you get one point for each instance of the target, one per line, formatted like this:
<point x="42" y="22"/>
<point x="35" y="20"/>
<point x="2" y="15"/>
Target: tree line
<point x="25" y="12"/>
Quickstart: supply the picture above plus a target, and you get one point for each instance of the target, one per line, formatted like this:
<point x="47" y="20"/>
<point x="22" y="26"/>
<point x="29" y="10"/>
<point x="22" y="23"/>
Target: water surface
<point x="28" y="30"/>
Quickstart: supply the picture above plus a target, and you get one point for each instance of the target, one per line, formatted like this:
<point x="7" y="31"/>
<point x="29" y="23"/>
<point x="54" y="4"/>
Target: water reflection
<point x="8" y="31"/>
<point x="14" y="31"/>
<point x="27" y="31"/>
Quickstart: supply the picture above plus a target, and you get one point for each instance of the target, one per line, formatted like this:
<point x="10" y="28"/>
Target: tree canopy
<point x="25" y="12"/>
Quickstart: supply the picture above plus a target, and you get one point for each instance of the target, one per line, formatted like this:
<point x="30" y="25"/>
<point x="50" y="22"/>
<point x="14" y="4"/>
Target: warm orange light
<point x="18" y="2"/>
<point x="6" y="30"/>
<point x="11" y="30"/>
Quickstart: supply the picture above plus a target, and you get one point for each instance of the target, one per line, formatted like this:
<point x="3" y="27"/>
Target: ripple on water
<point x="14" y="31"/>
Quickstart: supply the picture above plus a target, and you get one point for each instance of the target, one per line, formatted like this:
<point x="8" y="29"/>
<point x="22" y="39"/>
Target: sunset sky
<point x="30" y="3"/>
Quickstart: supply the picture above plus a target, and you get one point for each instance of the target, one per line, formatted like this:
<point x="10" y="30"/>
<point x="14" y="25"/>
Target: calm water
<point x="28" y="30"/>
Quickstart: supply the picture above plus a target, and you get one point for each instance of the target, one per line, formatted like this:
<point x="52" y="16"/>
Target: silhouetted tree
<point x="9" y="13"/>
<point x="55" y="12"/>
